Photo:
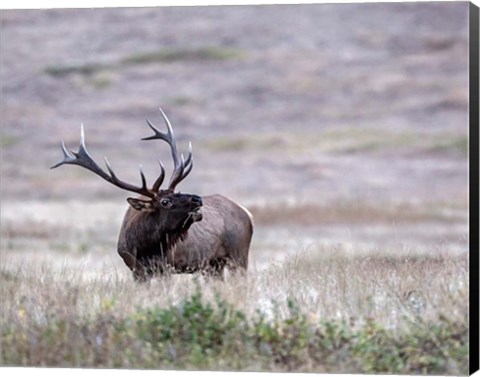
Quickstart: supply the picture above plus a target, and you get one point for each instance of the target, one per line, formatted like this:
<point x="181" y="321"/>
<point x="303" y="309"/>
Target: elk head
<point x="171" y="211"/>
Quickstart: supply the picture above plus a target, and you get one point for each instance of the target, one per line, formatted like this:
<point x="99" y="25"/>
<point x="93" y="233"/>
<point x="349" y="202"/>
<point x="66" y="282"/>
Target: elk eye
<point x="167" y="203"/>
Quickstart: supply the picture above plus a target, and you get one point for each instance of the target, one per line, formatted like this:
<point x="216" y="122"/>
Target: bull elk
<point x="168" y="231"/>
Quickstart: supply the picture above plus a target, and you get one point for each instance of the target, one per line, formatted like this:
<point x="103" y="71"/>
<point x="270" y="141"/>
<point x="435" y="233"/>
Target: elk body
<point x="167" y="231"/>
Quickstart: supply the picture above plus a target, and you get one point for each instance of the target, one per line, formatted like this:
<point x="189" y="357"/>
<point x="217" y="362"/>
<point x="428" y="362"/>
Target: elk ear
<point x="141" y="205"/>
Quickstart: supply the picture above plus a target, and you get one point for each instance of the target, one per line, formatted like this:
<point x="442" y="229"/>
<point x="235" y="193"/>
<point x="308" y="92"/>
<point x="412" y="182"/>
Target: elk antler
<point x="83" y="159"/>
<point x="181" y="167"/>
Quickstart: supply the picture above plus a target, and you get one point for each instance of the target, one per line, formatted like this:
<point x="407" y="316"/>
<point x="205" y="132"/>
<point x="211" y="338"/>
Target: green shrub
<point x="199" y="334"/>
<point x="190" y="331"/>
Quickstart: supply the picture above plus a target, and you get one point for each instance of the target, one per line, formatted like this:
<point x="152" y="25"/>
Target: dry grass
<point x="355" y="213"/>
<point x="393" y="292"/>
<point x="338" y="285"/>
<point x="32" y="229"/>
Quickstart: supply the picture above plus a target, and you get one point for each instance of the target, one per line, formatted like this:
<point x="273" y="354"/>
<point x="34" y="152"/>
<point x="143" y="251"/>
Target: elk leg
<point x="140" y="273"/>
<point x="215" y="269"/>
<point x="238" y="266"/>
<point x="140" y="276"/>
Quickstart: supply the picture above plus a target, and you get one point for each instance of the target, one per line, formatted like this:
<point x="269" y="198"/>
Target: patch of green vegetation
<point x="100" y="81"/>
<point x="60" y="246"/>
<point x="199" y="334"/>
<point x="350" y="140"/>
<point x="83" y="247"/>
<point x="169" y="55"/>
<point x="166" y="55"/>
<point x="220" y="53"/>
<point x="7" y="141"/>
<point x="241" y="143"/>
<point x="82" y="69"/>
<point x="182" y="101"/>
<point x="357" y="140"/>
<point x="457" y="145"/>
<point x="345" y="140"/>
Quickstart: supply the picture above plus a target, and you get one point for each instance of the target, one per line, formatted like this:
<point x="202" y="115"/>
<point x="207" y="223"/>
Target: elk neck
<point x="168" y="240"/>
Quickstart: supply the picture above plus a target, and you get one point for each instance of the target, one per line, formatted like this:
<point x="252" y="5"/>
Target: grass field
<point x="343" y="314"/>
<point x="69" y="301"/>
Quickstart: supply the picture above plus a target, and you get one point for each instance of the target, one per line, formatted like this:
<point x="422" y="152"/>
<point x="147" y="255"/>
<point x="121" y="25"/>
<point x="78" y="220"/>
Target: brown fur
<point x="222" y="238"/>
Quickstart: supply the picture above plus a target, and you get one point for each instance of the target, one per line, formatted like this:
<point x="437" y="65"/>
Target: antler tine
<point x="177" y="174"/>
<point x="159" y="180"/>
<point x="67" y="158"/>
<point x="168" y="137"/>
<point x="190" y="154"/>
<point x="187" y="170"/>
<point x="188" y="162"/>
<point x="181" y="167"/>
<point x="144" y="180"/>
<point x="82" y="158"/>
<point x="158" y="134"/>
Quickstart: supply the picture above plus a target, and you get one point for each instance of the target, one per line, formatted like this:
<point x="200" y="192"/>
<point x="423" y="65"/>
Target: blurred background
<point x="340" y="125"/>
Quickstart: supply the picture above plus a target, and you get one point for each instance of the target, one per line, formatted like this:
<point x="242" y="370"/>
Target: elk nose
<point x="197" y="199"/>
